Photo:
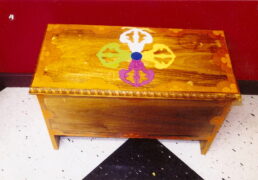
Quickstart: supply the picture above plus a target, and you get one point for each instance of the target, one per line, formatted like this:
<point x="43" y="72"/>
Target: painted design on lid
<point x="113" y="51"/>
<point x="136" y="39"/>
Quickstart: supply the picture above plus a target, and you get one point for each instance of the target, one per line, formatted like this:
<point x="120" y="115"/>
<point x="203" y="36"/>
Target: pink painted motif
<point x="136" y="66"/>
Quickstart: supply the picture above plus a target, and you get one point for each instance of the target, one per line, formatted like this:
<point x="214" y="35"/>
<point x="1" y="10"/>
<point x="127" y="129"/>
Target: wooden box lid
<point x="86" y="60"/>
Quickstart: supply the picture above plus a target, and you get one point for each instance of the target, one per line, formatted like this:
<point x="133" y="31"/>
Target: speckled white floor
<point x="26" y="152"/>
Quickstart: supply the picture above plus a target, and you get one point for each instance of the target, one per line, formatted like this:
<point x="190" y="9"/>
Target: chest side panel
<point x="119" y="117"/>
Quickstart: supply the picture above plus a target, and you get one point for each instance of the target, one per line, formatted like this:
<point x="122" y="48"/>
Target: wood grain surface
<point x="68" y="60"/>
<point x="141" y="118"/>
<point x="80" y="95"/>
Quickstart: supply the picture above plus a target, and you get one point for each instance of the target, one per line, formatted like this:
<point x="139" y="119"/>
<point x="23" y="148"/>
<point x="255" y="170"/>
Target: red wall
<point x="20" y="39"/>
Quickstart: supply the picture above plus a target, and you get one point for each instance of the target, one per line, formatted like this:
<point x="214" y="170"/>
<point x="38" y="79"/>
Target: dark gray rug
<point x="140" y="159"/>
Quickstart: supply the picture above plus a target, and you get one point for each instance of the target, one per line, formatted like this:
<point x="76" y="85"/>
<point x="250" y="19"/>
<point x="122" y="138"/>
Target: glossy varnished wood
<point x="47" y="114"/>
<point x="217" y="121"/>
<point x="68" y="60"/>
<point x="80" y="97"/>
<point x="138" y="118"/>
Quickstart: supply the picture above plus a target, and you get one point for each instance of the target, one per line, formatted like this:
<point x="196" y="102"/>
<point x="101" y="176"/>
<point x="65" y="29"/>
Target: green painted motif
<point x="113" y="54"/>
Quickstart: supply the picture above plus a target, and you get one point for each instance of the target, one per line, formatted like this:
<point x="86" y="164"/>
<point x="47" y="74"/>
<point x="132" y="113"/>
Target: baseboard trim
<point x="15" y="79"/>
<point x="25" y="79"/>
<point x="248" y="87"/>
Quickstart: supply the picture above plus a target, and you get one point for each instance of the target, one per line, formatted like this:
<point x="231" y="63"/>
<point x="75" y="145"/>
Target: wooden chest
<point x="112" y="81"/>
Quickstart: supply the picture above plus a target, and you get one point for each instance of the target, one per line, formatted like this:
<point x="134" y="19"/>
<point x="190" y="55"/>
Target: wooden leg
<point x="55" y="141"/>
<point x="47" y="115"/>
<point x="217" y="121"/>
<point x="205" y="145"/>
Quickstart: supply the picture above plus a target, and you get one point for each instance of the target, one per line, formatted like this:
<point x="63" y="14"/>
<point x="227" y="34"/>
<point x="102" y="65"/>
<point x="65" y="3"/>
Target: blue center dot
<point x="136" y="56"/>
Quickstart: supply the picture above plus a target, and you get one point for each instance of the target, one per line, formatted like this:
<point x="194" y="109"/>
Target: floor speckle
<point x="235" y="146"/>
<point x="150" y="165"/>
<point x="23" y="134"/>
<point x="25" y="148"/>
